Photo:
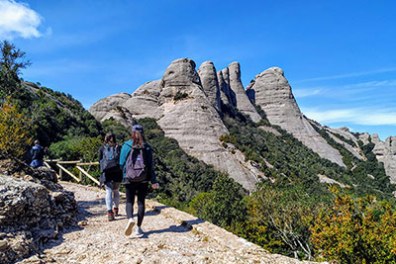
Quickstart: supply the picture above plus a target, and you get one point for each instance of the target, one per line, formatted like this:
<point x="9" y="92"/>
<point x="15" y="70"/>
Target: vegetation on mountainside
<point x="361" y="230"/>
<point x="14" y="130"/>
<point x="51" y="116"/>
<point x="56" y="115"/>
<point x="282" y="213"/>
<point x="367" y="175"/>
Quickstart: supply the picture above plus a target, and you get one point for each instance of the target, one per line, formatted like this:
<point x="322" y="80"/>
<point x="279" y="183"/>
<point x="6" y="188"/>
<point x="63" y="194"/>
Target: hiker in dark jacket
<point x="132" y="152"/>
<point x="37" y="155"/>
<point x="111" y="176"/>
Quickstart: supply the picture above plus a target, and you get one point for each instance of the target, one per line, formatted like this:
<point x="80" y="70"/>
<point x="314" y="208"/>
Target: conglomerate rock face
<point x="190" y="118"/>
<point x="242" y="102"/>
<point x="110" y="107"/>
<point x="188" y="107"/>
<point x="273" y="94"/>
<point x="385" y="152"/>
<point x="344" y="137"/>
<point x="210" y="84"/>
<point x="33" y="209"/>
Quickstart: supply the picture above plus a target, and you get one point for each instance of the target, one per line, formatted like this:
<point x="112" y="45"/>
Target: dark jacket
<point x="147" y="157"/>
<point x="37" y="156"/>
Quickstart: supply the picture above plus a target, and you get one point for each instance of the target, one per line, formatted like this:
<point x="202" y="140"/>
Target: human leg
<point x="130" y="200"/>
<point x="141" y="196"/>
<point x="116" y="197"/>
<point x="109" y="200"/>
<point x="130" y="191"/>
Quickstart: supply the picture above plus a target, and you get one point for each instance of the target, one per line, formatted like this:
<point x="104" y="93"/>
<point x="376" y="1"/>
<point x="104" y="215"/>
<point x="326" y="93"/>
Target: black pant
<point x="139" y="189"/>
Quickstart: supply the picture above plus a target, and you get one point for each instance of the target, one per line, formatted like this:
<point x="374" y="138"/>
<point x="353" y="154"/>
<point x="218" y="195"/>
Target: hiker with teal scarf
<point x="136" y="161"/>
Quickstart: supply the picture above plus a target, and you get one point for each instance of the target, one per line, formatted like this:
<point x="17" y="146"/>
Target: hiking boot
<point x="110" y="216"/>
<point x="138" y="231"/>
<point x="128" y="228"/>
<point x="115" y="211"/>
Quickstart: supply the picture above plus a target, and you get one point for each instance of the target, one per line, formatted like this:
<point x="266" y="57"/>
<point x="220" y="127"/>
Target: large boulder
<point x="33" y="209"/>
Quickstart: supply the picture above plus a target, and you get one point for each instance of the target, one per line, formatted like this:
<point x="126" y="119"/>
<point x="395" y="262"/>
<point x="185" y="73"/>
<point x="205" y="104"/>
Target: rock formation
<point x="109" y="107"/>
<point x="187" y="105"/>
<point x="210" y="84"/>
<point x="344" y="137"/>
<point x="33" y="209"/>
<point x="386" y="153"/>
<point x="182" y="108"/>
<point x="226" y="94"/>
<point x="274" y="95"/>
<point x="243" y="104"/>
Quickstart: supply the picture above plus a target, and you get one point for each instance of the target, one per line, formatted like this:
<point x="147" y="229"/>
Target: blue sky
<point x="339" y="56"/>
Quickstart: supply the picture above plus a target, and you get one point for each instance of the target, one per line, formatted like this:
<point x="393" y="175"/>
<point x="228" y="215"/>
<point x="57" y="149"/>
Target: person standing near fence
<point x="111" y="174"/>
<point x="137" y="164"/>
<point x="37" y="155"/>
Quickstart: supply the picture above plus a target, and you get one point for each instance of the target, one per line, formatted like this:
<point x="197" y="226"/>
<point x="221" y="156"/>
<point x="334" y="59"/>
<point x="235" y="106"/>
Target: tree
<point x="14" y="130"/>
<point x="356" y="230"/>
<point x="11" y="62"/>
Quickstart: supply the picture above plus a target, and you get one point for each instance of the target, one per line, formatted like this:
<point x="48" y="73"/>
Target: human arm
<point x="125" y="149"/>
<point x="100" y="153"/>
<point x="151" y="168"/>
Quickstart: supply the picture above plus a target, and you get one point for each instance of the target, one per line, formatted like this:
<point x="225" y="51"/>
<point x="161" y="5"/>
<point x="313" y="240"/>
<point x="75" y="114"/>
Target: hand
<point x="155" y="186"/>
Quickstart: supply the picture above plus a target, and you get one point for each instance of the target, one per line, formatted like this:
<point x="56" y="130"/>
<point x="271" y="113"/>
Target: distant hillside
<point x="56" y="115"/>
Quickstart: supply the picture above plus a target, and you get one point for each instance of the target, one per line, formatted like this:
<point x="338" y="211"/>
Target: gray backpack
<point x="110" y="159"/>
<point x="135" y="167"/>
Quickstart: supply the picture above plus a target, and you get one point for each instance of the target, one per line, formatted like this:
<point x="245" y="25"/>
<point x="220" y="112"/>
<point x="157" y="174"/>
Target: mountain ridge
<point x="217" y="92"/>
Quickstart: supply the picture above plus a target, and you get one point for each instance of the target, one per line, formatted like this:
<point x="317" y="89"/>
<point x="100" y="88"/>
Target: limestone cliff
<point x="385" y="152"/>
<point x="273" y="94"/>
<point x="182" y="108"/>
<point x="210" y="84"/>
<point x="242" y="102"/>
<point x="188" y="106"/>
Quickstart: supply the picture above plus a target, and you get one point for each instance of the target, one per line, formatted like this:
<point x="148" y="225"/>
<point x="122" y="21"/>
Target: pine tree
<point x="11" y="63"/>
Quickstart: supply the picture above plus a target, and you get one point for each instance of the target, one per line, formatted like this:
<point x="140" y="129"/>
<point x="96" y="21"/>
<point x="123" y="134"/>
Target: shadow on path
<point x="185" y="226"/>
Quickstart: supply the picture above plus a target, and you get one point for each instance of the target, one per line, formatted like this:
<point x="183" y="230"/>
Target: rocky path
<point x="170" y="236"/>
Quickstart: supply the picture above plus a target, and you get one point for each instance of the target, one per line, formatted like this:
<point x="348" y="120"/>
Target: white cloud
<point x="306" y="92"/>
<point x="18" y="20"/>
<point x="347" y="75"/>
<point x="358" y="116"/>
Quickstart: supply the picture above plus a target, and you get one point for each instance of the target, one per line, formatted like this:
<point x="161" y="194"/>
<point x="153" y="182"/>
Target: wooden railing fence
<point x="78" y="164"/>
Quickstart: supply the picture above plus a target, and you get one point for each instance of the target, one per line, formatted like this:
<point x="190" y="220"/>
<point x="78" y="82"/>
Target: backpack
<point x="110" y="159"/>
<point x="135" y="167"/>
